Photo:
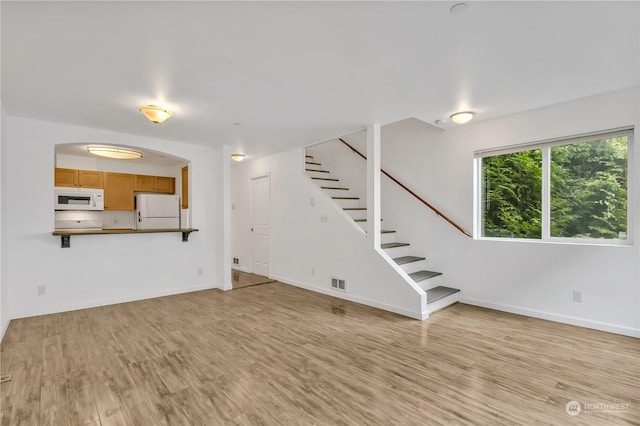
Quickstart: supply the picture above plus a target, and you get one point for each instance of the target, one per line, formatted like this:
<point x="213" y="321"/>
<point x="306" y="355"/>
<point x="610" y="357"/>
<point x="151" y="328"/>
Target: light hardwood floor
<point x="278" y="355"/>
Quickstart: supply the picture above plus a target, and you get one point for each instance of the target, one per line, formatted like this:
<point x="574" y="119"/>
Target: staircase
<point x="438" y="296"/>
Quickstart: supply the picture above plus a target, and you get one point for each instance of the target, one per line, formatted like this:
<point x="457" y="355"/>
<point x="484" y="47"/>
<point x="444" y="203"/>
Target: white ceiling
<point x="294" y="73"/>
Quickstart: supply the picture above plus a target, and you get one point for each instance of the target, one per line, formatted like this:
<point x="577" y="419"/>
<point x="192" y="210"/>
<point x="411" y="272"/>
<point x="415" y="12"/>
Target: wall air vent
<point x="338" y="283"/>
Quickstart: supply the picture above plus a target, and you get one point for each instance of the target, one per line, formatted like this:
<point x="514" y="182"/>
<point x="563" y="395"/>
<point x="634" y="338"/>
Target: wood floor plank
<point x="273" y="354"/>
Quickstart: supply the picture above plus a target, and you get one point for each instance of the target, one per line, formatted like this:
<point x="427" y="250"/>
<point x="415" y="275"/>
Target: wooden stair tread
<point x="364" y="220"/>
<point x="440" y="292"/>
<point x="317" y="171"/>
<point x="311" y="162"/>
<point x="334" y="187"/>
<point x="308" y="156"/>
<point x="355" y="208"/>
<point x="424" y="275"/>
<point x="345" y="198"/>
<point x="387" y="231"/>
<point x="393" y="245"/>
<point x="407" y="259"/>
<point x="330" y="179"/>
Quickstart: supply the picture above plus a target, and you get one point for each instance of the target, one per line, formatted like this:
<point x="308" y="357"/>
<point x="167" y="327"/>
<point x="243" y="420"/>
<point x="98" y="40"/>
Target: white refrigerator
<point x="157" y="211"/>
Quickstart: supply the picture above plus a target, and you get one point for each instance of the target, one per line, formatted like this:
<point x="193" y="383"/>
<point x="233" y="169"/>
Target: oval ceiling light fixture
<point x="155" y="113"/>
<point x="114" y="152"/>
<point x="237" y="157"/>
<point x="462" y="117"/>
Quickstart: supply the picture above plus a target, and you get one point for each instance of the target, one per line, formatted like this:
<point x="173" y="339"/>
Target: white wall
<point x="306" y="252"/>
<point x="99" y="269"/>
<point x="343" y="164"/>
<point x="115" y="166"/>
<point x="531" y="278"/>
<point x="4" y="308"/>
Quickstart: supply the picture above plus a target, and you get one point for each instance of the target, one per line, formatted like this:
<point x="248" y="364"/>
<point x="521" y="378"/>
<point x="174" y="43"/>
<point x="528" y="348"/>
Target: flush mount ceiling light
<point x="458" y="8"/>
<point x="237" y="157"/>
<point x="114" y="152"/>
<point x="462" y="117"/>
<point x="155" y="113"/>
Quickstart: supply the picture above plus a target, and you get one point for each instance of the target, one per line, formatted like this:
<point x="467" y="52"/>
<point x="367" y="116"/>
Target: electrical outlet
<point x="199" y="271"/>
<point x="577" y="296"/>
<point x="313" y="272"/>
<point x="312" y="201"/>
<point x="42" y="290"/>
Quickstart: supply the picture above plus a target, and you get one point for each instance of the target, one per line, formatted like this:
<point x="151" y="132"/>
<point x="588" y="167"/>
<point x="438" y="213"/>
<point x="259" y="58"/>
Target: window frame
<point x="545" y="147"/>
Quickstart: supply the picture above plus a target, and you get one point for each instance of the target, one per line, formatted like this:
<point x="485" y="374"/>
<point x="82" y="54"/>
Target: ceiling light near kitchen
<point x="155" y="113"/>
<point x="237" y="157"/>
<point x="114" y="152"/>
<point x="462" y="117"/>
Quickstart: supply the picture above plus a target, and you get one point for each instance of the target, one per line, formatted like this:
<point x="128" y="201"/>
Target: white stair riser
<point x="357" y="214"/>
<point x="320" y="175"/>
<point x="388" y="238"/>
<point x="431" y="282"/>
<point x="444" y="302"/>
<point x="347" y="203"/>
<point x="398" y="251"/>
<point x="411" y="267"/>
<point x="335" y="192"/>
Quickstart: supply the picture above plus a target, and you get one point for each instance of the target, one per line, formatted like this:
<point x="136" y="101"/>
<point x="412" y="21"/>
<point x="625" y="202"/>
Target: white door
<point x="260" y="217"/>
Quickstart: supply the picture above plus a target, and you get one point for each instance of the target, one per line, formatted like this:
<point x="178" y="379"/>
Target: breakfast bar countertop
<point x="66" y="234"/>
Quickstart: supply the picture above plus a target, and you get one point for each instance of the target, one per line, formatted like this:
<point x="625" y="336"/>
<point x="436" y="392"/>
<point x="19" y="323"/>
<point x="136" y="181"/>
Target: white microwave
<point x="78" y="198"/>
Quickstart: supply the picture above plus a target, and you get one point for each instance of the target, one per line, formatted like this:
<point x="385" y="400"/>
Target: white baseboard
<point x="566" y="319"/>
<point x="106" y="302"/>
<point x="353" y="298"/>
<point x="4" y="330"/>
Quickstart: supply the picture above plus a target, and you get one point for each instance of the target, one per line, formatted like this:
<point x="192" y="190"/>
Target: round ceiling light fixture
<point x="462" y="117"/>
<point x="114" y="152"/>
<point x="237" y="157"/>
<point x="458" y="8"/>
<point x="155" y="113"/>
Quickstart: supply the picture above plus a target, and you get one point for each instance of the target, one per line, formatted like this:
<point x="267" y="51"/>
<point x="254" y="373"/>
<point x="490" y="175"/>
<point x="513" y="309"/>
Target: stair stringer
<point x="319" y="192"/>
<point x="389" y="282"/>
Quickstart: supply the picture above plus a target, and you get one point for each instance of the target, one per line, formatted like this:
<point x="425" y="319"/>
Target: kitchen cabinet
<point x="90" y="179"/>
<point x="185" y="187"/>
<point x="165" y="185"/>
<point x="160" y="184"/>
<point x="78" y="178"/>
<point x="144" y="183"/>
<point x="118" y="191"/>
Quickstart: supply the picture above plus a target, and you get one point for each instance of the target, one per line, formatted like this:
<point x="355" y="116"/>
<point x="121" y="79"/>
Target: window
<point x="570" y="189"/>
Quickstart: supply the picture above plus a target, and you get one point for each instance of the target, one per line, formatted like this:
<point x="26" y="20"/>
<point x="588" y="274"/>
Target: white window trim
<point x="545" y="147"/>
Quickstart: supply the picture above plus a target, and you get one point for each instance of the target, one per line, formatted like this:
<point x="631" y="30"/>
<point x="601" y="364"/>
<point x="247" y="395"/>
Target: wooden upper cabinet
<point x="163" y="184"/>
<point x="78" y="178"/>
<point x="118" y="191"/>
<point x="185" y="187"/>
<point x="90" y="179"/>
<point x="144" y="183"/>
<point x="66" y="177"/>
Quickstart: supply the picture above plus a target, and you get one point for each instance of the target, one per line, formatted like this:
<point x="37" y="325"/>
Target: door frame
<point x="251" y="182"/>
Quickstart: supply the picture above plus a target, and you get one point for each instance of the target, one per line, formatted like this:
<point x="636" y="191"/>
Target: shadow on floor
<point x="241" y="279"/>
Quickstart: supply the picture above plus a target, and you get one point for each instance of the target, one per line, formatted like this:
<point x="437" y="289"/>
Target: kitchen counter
<point x="66" y="234"/>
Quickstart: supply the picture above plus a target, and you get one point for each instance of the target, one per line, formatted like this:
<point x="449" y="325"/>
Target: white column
<point x="226" y="218"/>
<point x="373" y="184"/>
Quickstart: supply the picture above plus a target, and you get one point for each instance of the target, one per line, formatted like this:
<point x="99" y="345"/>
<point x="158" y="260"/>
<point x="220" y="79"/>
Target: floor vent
<point x="338" y="283"/>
